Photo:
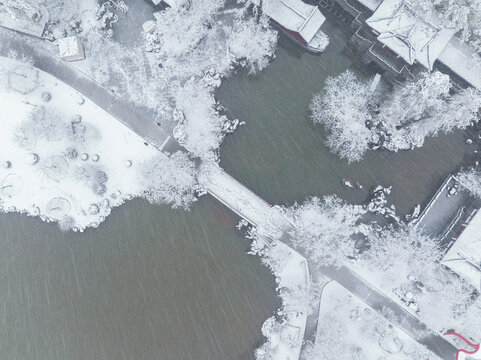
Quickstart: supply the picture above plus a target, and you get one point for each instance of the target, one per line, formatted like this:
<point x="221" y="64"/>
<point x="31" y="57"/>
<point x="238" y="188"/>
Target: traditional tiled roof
<point x="412" y="36"/>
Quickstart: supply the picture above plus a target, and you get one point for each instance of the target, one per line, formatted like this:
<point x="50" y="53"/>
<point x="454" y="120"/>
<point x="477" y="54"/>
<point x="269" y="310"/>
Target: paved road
<point x="91" y="89"/>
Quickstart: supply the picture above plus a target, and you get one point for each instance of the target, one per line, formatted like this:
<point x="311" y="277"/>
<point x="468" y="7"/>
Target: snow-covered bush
<point x="343" y="108"/>
<point x="265" y="351"/>
<point x="170" y="180"/>
<point x="324" y="229"/>
<point x="471" y="180"/>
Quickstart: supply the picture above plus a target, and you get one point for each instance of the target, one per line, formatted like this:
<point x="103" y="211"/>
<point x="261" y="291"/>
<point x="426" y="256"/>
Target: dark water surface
<point x="149" y="283"/>
<point x="280" y="154"/>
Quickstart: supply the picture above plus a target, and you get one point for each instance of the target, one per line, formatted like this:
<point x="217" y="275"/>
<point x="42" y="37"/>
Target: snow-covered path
<point x="268" y="220"/>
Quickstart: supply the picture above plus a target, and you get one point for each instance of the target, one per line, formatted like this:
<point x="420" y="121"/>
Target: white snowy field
<point x="348" y="326"/>
<point x="63" y="159"/>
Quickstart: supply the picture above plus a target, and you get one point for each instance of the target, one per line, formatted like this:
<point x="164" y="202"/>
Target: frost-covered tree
<point x="402" y="119"/>
<point x="402" y="251"/>
<point x="170" y="180"/>
<point x="324" y="229"/>
<point x="252" y="41"/>
<point x="343" y="108"/>
<point x="424" y="108"/>
<point x="200" y="126"/>
<point x="201" y="30"/>
<point x="180" y="30"/>
<point x="471" y="180"/>
<point x="195" y="46"/>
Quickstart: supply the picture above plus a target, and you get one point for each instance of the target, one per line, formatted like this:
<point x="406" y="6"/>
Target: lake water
<point x="153" y="283"/>
<point x="149" y="283"/>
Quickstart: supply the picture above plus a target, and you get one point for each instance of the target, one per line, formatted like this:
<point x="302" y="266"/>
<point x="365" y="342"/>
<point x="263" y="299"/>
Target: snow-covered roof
<point x="463" y="60"/>
<point x="68" y="46"/>
<point x="409" y="34"/>
<point x="464" y="257"/>
<point x="295" y="15"/>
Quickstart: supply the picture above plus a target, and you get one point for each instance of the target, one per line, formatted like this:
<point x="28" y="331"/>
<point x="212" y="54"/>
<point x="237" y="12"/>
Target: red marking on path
<point x="475" y="346"/>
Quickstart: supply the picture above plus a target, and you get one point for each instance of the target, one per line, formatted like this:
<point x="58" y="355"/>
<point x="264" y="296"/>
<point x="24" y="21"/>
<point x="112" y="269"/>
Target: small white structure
<point x="464" y="257"/>
<point x="71" y="48"/>
<point x="300" y="21"/>
<point x="409" y="34"/>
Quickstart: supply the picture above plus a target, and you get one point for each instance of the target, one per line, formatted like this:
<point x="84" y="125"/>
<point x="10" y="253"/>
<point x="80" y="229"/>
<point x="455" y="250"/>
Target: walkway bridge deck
<point x="268" y="220"/>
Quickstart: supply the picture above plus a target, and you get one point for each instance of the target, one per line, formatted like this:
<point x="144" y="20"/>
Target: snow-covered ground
<point x="63" y="158"/>
<point x="285" y="334"/>
<point x="349" y="327"/>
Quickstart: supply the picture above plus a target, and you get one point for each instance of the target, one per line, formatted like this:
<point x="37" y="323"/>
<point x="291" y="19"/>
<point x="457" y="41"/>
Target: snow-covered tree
<point x="402" y="119"/>
<point x="402" y="251"/>
<point x="252" y="41"/>
<point x="343" y="108"/>
<point x="170" y="180"/>
<point x="200" y="126"/>
<point x="180" y="30"/>
<point x="471" y="180"/>
<point x="424" y="108"/>
<point x="324" y="229"/>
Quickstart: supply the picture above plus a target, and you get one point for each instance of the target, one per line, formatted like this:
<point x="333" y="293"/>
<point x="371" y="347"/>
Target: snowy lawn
<point x="62" y="157"/>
